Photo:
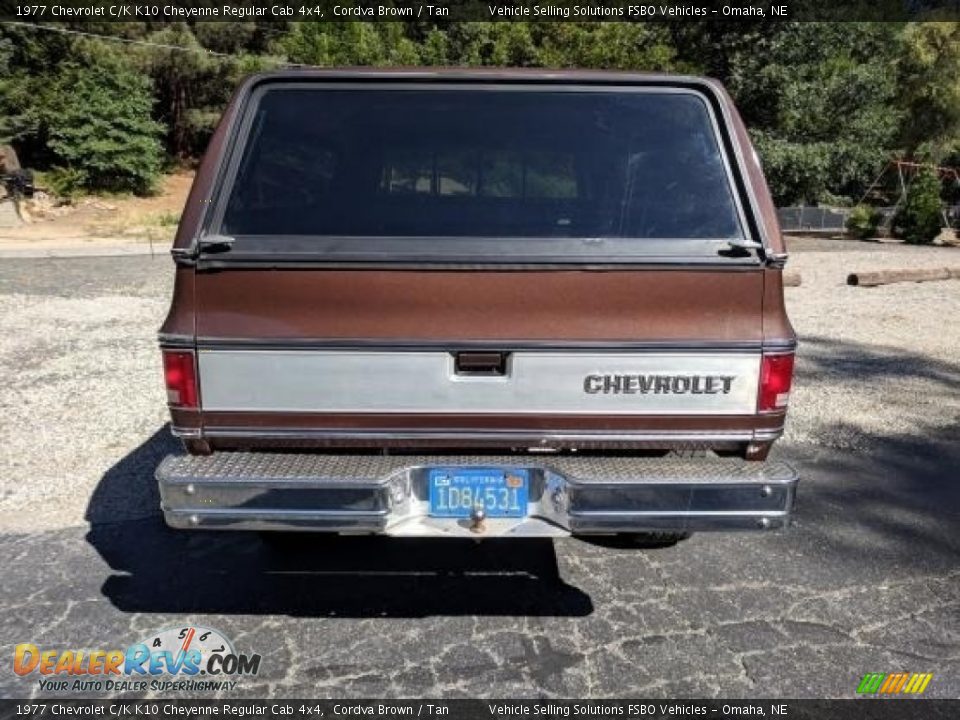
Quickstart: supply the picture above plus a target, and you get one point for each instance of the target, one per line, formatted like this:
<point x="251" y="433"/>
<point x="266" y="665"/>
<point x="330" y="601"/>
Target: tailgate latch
<point x="480" y="363"/>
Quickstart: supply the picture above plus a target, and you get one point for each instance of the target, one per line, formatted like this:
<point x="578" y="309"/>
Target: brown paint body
<point x="561" y="305"/>
<point x="710" y="306"/>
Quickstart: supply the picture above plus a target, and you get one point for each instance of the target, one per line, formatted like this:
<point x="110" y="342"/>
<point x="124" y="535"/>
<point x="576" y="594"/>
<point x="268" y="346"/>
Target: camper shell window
<point x="466" y="173"/>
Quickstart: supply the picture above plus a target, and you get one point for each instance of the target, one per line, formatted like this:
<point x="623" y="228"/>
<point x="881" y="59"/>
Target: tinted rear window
<point x="415" y="163"/>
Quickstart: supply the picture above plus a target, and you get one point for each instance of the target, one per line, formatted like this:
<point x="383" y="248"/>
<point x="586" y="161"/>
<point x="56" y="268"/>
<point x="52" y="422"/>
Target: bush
<point x="863" y="222"/>
<point x="920" y="220"/>
<point x="101" y="130"/>
<point x="168" y="219"/>
<point x="65" y="183"/>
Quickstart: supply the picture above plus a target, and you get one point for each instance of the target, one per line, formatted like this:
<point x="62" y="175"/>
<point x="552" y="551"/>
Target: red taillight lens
<point x="180" y="374"/>
<point x="776" y="376"/>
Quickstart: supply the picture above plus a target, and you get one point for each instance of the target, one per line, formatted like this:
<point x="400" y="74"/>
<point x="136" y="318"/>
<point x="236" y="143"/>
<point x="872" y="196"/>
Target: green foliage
<point x="920" y="220"/>
<point x="827" y="104"/>
<point x="191" y="86"/>
<point x="65" y="183"/>
<point x="627" y="46"/>
<point x="18" y="112"/>
<point x="606" y="46"/>
<point x="863" y="222"/>
<point x="167" y="219"/>
<point x="6" y="128"/>
<point x="102" y="131"/>
<point x="349" y="43"/>
<point x="820" y="101"/>
<point x="435" y="49"/>
<point x="929" y="75"/>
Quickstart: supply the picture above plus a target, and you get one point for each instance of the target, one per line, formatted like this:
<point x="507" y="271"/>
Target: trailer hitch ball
<point x="399" y="487"/>
<point x="477" y="517"/>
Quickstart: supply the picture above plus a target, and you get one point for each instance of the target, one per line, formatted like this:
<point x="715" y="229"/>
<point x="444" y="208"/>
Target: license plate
<point x="455" y="492"/>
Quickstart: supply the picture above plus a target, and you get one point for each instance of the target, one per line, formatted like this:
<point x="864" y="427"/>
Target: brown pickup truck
<point x="477" y="304"/>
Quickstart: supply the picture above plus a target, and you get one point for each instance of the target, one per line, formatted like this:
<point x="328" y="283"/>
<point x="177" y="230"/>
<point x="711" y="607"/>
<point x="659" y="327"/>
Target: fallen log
<point x="792" y="279"/>
<point x="872" y="278"/>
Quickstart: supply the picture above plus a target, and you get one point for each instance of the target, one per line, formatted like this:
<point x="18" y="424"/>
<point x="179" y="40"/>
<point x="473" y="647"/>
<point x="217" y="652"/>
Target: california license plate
<point x="455" y="492"/>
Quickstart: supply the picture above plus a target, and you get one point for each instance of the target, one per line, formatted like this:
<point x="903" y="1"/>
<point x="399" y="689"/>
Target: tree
<point x="191" y="85"/>
<point x="101" y="131"/>
<point x="827" y="103"/>
<point x="929" y="88"/>
<point x="919" y="221"/>
<point x="820" y="101"/>
<point x="608" y="46"/>
<point x="435" y="48"/>
<point x="25" y="61"/>
<point x="8" y="86"/>
<point x="348" y="43"/>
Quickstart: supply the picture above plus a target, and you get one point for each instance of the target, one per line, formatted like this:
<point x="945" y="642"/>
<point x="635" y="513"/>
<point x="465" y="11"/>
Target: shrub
<point x="101" y="130"/>
<point x="168" y="219"/>
<point x="863" y="222"/>
<point x="65" y="183"/>
<point x="920" y="221"/>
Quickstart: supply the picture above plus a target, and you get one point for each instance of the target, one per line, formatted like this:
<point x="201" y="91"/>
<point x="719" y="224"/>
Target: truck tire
<point x="292" y="541"/>
<point x="656" y="539"/>
<point x="637" y="541"/>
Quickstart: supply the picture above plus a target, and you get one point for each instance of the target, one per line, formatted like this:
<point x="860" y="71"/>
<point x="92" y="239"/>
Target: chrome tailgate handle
<point x="480" y="363"/>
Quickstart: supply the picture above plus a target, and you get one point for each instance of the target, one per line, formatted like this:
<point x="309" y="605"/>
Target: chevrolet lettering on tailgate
<point x="478" y="303"/>
<point x="658" y="384"/>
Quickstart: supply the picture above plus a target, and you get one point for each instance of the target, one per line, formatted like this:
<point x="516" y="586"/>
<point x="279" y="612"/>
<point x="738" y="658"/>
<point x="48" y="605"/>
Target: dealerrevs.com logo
<point x="186" y="658"/>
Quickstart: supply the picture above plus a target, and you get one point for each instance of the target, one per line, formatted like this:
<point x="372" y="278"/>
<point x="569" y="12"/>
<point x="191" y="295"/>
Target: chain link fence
<point x="812" y="219"/>
<point x="834" y="220"/>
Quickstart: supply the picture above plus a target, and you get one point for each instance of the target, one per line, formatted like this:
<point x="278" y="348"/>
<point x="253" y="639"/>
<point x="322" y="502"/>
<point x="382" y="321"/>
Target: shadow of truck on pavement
<point x="157" y="569"/>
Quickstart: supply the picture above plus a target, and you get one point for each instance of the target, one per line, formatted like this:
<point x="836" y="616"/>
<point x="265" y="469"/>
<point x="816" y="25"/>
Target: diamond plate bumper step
<point x="387" y="494"/>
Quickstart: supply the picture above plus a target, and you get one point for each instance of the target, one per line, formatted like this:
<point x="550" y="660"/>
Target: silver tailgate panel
<point x="426" y="382"/>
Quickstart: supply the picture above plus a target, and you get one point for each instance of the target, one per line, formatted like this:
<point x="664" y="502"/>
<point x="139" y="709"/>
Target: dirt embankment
<point x="90" y="220"/>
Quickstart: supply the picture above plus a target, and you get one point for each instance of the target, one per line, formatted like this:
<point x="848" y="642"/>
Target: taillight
<point x="776" y="375"/>
<point x="180" y="374"/>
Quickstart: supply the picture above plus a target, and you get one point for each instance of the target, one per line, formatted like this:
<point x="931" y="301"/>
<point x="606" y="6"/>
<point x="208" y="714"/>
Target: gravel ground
<point x="872" y="361"/>
<point x="80" y="340"/>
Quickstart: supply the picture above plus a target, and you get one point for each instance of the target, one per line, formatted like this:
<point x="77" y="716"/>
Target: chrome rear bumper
<point x="360" y="494"/>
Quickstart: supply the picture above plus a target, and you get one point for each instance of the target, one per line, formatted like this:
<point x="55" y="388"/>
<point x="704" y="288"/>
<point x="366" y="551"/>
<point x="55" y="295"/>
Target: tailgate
<point x="534" y="352"/>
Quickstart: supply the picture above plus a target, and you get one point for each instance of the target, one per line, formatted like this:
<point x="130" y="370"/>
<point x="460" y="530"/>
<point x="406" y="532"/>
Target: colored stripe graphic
<point x="889" y="683"/>
<point x="871" y="683"/>
<point x="926" y="678"/>
<point x="894" y="683"/>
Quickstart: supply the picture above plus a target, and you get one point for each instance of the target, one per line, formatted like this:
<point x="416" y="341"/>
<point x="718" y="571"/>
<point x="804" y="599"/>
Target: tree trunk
<point x="886" y="277"/>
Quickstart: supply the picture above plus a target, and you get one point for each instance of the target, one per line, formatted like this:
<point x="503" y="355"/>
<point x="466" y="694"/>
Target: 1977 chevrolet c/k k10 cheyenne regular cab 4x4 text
<point x="478" y="304"/>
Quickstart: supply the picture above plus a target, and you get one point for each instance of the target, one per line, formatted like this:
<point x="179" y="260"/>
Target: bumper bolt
<point x="558" y="500"/>
<point x="194" y="519"/>
<point x="764" y="523"/>
<point x="766" y="491"/>
<point x="190" y="489"/>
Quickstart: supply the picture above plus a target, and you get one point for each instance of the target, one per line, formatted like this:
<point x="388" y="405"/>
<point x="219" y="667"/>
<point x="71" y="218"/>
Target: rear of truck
<point x="483" y="304"/>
